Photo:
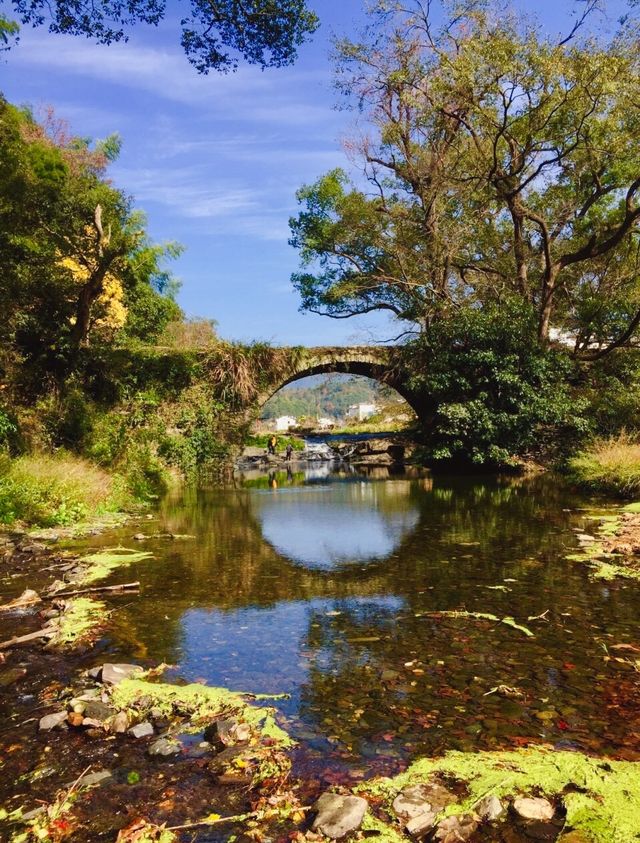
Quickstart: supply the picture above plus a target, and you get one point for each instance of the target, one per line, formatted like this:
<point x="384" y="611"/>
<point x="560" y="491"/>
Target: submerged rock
<point x="533" y="808"/>
<point x="339" y="815"/>
<point x="52" y="721"/>
<point x="12" y="675"/>
<point x="164" y="747"/>
<point x="227" y="732"/>
<point x="112" y="674"/>
<point x="120" y="722"/>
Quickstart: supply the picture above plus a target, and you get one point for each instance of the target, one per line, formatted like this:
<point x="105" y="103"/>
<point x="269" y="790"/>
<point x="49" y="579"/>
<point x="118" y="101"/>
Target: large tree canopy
<point x="216" y="34"/>
<point x="493" y="160"/>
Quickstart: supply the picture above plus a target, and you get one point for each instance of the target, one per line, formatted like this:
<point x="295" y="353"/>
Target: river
<point x="329" y="584"/>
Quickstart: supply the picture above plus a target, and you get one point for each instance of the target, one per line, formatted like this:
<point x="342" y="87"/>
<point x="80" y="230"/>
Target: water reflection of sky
<point x="265" y="650"/>
<point x="358" y="522"/>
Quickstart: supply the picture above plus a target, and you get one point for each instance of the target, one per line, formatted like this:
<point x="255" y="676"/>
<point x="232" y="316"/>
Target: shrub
<point x="55" y="490"/>
<point x="610" y="465"/>
<point x="491" y="392"/>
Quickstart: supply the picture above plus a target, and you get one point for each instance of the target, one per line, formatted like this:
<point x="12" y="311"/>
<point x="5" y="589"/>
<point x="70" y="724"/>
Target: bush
<point x="56" y="490"/>
<point x="491" y="393"/>
<point x="145" y="475"/>
<point x="610" y="465"/>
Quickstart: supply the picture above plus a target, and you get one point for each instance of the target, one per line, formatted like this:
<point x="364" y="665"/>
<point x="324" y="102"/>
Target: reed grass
<point x="610" y="465"/>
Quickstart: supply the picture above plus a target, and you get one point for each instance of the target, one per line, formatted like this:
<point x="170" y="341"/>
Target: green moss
<point x="200" y="703"/>
<point x="102" y="563"/>
<point x="632" y="507"/>
<point x="79" y="620"/>
<point x="601" y="797"/>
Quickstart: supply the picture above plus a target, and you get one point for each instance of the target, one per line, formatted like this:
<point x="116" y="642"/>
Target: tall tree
<point x="494" y="160"/>
<point x="76" y="260"/>
<point x="215" y="34"/>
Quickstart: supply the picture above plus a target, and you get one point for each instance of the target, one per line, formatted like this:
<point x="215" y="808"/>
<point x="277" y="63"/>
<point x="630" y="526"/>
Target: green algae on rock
<point x="200" y="703"/>
<point x="261" y="759"/>
<point x="102" y="563"/>
<point x="80" y="620"/>
<point x="601" y="797"/>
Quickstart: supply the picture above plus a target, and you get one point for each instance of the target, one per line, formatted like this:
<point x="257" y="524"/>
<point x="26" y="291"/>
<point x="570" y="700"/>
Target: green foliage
<point x="612" y="388"/>
<point x="78" y="266"/>
<point x="332" y="398"/>
<point x="8" y="429"/>
<point x="214" y="37"/>
<point x="496" y="159"/>
<point x="491" y="392"/>
<point x="145" y="474"/>
<point x="610" y="465"/>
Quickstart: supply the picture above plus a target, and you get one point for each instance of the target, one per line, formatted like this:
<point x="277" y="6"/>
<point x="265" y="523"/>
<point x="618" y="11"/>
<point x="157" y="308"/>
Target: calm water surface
<point x="319" y="584"/>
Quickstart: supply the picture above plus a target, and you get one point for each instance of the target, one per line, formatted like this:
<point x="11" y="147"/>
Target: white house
<point x="283" y="423"/>
<point x="360" y="412"/>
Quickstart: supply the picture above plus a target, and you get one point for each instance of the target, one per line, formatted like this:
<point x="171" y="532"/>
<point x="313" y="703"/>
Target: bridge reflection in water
<point x="323" y="588"/>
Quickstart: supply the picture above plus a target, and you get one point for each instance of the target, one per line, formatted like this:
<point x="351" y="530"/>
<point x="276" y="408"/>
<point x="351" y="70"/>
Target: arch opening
<point x="327" y="397"/>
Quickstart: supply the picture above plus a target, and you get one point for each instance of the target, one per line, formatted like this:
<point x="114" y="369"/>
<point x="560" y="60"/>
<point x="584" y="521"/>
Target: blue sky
<point x="213" y="160"/>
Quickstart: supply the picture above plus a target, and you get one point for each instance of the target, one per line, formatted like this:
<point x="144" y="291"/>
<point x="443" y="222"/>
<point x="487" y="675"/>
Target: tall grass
<point x="609" y="465"/>
<point x="52" y="490"/>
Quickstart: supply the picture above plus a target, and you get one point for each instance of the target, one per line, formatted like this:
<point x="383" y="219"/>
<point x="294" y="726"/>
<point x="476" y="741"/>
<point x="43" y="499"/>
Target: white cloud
<point x="247" y="94"/>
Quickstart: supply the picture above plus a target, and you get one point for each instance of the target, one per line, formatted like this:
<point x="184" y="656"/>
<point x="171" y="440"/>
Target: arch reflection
<point x="324" y="527"/>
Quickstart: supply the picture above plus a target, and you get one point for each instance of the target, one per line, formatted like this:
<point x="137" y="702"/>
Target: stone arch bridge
<point x="274" y="367"/>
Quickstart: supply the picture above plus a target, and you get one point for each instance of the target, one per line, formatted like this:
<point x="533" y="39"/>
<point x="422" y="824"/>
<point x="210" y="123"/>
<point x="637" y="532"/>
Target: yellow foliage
<point x="110" y="304"/>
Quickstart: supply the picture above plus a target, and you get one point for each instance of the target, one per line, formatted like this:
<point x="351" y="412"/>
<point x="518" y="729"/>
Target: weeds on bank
<point x="610" y="465"/>
<point x="56" y="490"/>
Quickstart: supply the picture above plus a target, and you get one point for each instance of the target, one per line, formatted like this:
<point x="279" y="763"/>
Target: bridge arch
<point x="377" y="363"/>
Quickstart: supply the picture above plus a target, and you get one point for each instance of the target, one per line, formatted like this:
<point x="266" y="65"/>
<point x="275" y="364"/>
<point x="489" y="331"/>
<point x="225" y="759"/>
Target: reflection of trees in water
<point x="470" y="536"/>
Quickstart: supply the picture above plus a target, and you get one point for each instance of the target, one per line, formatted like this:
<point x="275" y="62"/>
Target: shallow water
<point x="319" y="584"/>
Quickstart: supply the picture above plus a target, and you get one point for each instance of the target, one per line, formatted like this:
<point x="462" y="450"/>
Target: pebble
<point x="139" y="537"/>
<point x="420" y="824"/>
<point x="52" y="721"/>
<point x="489" y="808"/>
<point x="339" y="815"/>
<point x="75" y="719"/>
<point x="141" y="730"/>
<point x="533" y="808"/>
<point x="120" y="722"/>
<point x="112" y="674"/>
<point x="455" y="829"/>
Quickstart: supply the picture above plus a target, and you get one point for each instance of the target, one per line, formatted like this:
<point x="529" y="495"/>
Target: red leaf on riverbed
<point x="562" y="725"/>
<point x="568" y="666"/>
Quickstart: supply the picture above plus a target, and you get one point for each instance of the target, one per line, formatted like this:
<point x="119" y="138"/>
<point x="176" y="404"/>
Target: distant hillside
<point x="329" y="395"/>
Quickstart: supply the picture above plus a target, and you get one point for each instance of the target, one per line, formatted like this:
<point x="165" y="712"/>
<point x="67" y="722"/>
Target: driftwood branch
<point x="125" y="586"/>
<point x="47" y="632"/>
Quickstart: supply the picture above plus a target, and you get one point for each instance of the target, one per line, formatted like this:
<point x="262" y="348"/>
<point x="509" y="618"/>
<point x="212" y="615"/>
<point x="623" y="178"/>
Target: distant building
<point x="360" y="412"/>
<point x="325" y="423"/>
<point x="283" y="423"/>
